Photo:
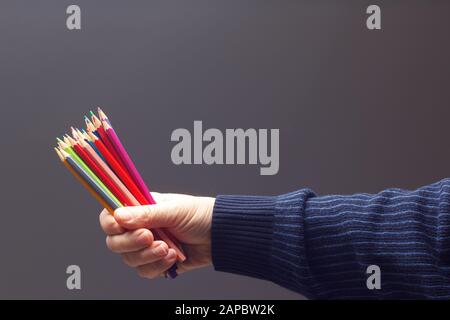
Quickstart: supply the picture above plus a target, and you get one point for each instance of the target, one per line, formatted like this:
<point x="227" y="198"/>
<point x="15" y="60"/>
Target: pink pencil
<point x="126" y="160"/>
<point x="114" y="139"/>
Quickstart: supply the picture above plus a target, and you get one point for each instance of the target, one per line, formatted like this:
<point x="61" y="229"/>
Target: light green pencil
<point x="66" y="146"/>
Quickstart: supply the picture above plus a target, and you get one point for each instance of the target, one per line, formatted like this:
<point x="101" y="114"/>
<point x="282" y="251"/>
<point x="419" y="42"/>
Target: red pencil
<point x="99" y="172"/>
<point x="117" y="168"/>
<point x="126" y="179"/>
<point x="104" y="137"/>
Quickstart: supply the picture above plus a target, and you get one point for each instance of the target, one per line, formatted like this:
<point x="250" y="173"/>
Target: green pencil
<point x="66" y="146"/>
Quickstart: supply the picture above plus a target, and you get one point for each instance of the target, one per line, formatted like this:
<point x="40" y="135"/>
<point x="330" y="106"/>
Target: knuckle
<point x="147" y="214"/>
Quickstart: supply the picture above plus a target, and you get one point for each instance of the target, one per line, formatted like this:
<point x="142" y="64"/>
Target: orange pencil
<point x="84" y="183"/>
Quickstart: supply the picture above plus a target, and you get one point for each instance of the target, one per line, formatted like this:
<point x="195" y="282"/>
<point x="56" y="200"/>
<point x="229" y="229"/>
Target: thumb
<point x="160" y="215"/>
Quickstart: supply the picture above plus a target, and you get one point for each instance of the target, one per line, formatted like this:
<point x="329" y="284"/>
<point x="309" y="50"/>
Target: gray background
<point x="358" y="111"/>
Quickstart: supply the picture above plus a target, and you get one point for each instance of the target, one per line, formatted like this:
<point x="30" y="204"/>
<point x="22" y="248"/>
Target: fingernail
<point x="160" y="251"/>
<point x="123" y="214"/>
<point x="171" y="255"/>
<point x="143" y="238"/>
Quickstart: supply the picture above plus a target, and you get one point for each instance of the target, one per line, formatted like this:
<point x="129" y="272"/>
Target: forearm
<point x="321" y="246"/>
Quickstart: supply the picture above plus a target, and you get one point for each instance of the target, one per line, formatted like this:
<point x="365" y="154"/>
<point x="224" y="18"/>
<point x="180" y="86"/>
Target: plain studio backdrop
<point x="358" y="111"/>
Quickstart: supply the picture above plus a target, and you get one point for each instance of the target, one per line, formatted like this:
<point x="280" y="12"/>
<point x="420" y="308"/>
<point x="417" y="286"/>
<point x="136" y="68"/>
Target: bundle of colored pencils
<point x="97" y="158"/>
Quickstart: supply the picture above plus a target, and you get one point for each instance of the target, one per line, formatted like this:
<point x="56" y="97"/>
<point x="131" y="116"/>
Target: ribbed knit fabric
<point x="321" y="246"/>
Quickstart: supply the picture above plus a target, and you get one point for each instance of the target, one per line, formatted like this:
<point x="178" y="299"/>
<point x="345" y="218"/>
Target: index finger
<point x="109" y="224"/>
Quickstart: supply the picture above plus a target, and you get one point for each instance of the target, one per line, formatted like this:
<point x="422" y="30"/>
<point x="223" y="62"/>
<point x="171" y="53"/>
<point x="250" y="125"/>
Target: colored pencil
<point x="97" y="158"/>
<point x="66" y="146"/>
<point x="140" y="182"/>
<point x="90" y="126"/>
<point x="115" y="141"/>
<point x="130" y="199"/>
<point x="88" y="140"/>
<point x="172" y="243"/>
<point x="117" y="168"/>
<point x="84" y="183"/>
<point x="106" y="141"/>
<point x="85" y="156"/>
<point x="103" y="116"/>
<point x="88" y="179"/>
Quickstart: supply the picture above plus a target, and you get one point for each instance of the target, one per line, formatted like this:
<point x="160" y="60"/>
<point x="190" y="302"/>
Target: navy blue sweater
<point x="321" y="246"/>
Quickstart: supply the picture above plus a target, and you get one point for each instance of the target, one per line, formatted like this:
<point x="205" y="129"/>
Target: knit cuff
<point x="242" y="235"/>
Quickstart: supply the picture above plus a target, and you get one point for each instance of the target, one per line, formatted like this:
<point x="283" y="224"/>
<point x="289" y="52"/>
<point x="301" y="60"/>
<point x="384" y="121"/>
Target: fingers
<point x="155" y="252"/>
<point x="109" y="224"/>
<point x="160" y="215"/>
<point x="155" y="269"/>
<point x="129" y="241"/>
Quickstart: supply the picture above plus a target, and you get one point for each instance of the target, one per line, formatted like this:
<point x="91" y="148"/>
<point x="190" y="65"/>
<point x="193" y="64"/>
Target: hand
<point x="187" y="218"/>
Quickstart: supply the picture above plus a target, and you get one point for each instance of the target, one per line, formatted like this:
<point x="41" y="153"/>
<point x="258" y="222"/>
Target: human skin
<point x="188" y="218"/>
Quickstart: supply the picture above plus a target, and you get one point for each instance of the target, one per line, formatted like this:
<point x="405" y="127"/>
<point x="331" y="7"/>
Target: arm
<point x="322" y="246"/>
<point x="317" y="246"/>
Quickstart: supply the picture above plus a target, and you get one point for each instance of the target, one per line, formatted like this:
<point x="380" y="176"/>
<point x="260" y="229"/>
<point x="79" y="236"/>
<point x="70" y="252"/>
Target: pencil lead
<point x="102" y="114"/>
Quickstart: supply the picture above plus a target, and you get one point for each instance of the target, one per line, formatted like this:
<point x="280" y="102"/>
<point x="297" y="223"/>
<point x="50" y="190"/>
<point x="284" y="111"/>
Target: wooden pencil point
<point x="62" y="144"/>
<point x="66" y="139"/>
<point x="64" y="153"/>
<point x="96" y="121"/>
<point x="72" y="141"/>
<point x="106" y="125"/>
<point x="101" y="114"/>
<point x="92" y="136"/>
<point x="61" y="157"/>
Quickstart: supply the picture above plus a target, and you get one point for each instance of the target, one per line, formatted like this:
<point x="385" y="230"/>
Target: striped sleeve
<point x="321" y="246"/>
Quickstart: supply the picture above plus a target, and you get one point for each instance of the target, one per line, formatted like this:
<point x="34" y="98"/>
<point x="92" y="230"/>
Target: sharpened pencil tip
<point x="102" y="115"/>
<point x="61" y="157"/>
<point x="64" y="153"/>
